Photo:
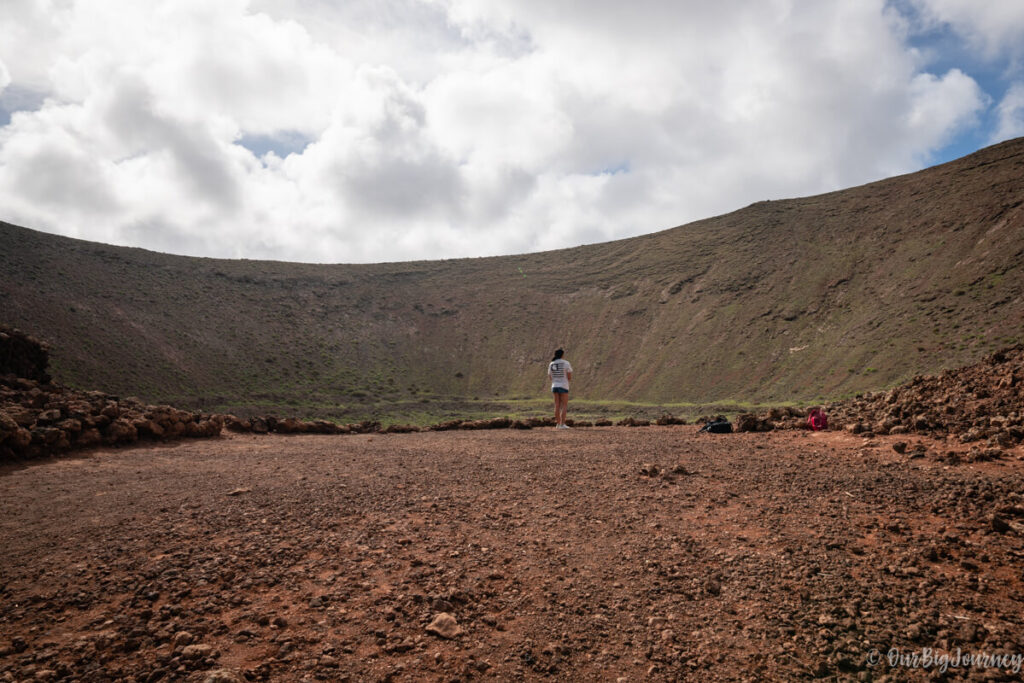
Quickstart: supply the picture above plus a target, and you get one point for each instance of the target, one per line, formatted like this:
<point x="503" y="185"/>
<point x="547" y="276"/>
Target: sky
<point x="393" y="130"/>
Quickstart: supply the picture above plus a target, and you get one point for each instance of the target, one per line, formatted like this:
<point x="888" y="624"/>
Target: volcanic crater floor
<point x="620" y="554"/>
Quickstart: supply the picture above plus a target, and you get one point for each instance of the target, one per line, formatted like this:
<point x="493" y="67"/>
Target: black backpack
<point x="717" y="427"/>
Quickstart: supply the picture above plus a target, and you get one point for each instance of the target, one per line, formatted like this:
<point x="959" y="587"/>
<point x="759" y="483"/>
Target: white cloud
<point x="1011" y="114"/>
<point x="943" y="105"/>
<point x="5" y="77"/>
<point x="403" y="129"/>
<point x="993" y="27"/>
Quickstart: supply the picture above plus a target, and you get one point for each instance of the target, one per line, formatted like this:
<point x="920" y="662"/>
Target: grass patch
<point x="440" y="409"/>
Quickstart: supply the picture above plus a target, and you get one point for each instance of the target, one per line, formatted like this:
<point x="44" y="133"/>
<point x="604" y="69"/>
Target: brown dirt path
<point x="765" y="556"/>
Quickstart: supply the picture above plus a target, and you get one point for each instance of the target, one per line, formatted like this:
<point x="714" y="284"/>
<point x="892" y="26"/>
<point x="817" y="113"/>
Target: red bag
<point x="817" y="419"/>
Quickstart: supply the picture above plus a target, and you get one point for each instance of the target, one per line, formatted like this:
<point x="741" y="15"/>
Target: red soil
<point x="744" y="557"/>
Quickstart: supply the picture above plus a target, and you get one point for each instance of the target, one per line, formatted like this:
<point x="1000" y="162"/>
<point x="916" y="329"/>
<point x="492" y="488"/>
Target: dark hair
<point x="558" y="354"/>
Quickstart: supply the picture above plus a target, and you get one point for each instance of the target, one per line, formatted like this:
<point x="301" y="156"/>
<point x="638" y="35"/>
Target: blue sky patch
<point x="281" y="143"/>
<point x="942" y="50"/>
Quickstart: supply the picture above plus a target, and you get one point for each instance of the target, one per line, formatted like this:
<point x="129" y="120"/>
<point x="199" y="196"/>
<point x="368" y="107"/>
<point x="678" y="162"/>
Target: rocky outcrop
<point x="39" y="419"/>
<point x="978" y="402"/>
<point x="266" y="424"/>
<point x="23" y="356"/>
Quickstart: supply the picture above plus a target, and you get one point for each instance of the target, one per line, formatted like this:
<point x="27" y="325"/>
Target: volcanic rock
<point x="445" y="626"/>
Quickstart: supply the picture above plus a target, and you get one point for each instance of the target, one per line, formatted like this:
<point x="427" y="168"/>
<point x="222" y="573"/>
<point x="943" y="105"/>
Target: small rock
<point x="900" y="447"/>
<point x="442" y="605"/>
<point x="971" y="633"/>
<point x="999" y="524"/>
<point x="224" y="676"/>
<point x="200" y="651"/>
<point x="444" y="626"/>
<point x="182" y="638"/>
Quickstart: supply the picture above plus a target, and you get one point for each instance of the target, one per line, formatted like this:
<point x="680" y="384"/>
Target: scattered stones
<point x="553" y="566"/>
<point x="545" y="567"/>
<point x="649" y="470"/>
<point x="972" y="403"/>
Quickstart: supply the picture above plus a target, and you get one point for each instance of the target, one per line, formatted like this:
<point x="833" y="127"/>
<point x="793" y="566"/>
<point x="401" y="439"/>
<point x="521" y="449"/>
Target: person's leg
<point x="563" y="405"/>
<point x="558" y="403"/>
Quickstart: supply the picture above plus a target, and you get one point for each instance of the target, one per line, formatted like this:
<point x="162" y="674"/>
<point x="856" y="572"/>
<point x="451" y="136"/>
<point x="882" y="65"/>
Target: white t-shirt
<point x="558" y="371"/>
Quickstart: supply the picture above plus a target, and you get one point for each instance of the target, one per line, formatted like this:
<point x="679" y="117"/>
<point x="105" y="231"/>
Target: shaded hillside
<point x="794" y="299"/>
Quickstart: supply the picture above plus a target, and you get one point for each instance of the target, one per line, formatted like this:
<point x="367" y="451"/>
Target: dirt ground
<point x="559" y="555"/>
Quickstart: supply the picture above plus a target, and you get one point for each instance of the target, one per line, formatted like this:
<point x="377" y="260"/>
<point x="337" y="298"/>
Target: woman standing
<point x="560" y="372"/>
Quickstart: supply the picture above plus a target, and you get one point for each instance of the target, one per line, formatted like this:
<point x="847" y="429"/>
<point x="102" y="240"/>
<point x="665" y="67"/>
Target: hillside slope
<point x="782" y="300"/>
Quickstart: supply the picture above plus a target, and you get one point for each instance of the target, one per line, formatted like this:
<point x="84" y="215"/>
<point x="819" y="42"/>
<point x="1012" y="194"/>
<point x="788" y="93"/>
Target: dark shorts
<point x="559" y="390"/>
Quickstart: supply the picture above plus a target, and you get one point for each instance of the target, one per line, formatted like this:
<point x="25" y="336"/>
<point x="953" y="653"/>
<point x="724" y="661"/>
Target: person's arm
<point x="569" y="375"/>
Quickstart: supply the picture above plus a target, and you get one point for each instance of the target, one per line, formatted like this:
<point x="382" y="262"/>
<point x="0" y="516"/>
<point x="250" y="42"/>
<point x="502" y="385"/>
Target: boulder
<point x="120" y="431"/>
<point x="400" y="429"/>
<point x="89" y="437"/>
<point x="445" y="426"/>
<point x="7" y="426"/>
<point x="747" y="423"/>
<point x="149" y="428"/>
<point x="290" y="425"/>
<point x="235" y="424"/>
<point x="20" y="439"/>
<point x="48" y="417"/>
<point x="24" y="417"/>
